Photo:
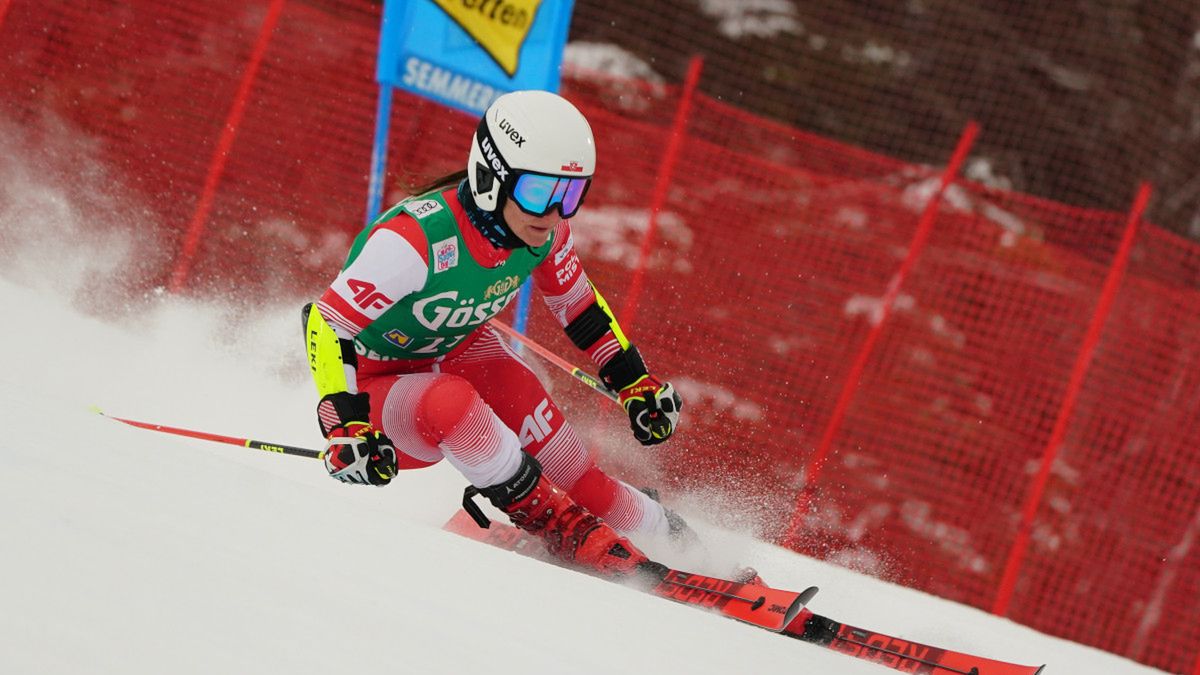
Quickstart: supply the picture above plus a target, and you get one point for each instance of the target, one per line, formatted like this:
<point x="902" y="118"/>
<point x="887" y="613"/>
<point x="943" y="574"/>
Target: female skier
<point x="404" y="360"/>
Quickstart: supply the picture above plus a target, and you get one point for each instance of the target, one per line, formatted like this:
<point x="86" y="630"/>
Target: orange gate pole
<point x="191" y="240"/>
<point x="1016" y="555"/>
<point x="850" y="387"/>
<point x="678" y="129"/>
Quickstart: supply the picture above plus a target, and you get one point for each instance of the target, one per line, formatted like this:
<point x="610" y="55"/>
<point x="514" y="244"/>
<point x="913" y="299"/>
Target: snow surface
<point x="130" y="551"/>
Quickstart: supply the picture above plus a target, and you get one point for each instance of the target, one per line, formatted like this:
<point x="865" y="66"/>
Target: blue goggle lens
<point x="537" y="194"/>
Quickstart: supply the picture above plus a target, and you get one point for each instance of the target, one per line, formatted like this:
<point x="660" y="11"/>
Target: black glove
<point x="356" y="452"/>
<point x="653" y="406"/>
<point x="653" y="409"/>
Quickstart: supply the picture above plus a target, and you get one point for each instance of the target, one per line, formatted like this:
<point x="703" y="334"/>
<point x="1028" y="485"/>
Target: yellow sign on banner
<point x="499" y="26"/>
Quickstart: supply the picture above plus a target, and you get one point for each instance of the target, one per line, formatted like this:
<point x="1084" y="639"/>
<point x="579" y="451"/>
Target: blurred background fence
<point x="1013" y="422"/>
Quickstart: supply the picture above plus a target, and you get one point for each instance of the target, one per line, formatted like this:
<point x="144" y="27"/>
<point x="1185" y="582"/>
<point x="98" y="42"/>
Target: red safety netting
<point x="806" y="163"/>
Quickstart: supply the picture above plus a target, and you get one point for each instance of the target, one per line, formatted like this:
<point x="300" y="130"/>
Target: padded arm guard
<point x="331" y="359"/>
<point x="594" y="323"/>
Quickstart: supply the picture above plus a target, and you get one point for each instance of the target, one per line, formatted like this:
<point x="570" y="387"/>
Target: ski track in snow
<point x="128" y="551"/>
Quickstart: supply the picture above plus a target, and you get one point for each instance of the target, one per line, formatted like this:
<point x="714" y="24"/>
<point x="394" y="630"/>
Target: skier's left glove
<point x="356" y="451"/>
<point x="653" y="409"/>
<point x="653" y="406"/>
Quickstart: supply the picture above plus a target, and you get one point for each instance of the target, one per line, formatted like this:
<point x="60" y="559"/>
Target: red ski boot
<point x="570" y="532"/>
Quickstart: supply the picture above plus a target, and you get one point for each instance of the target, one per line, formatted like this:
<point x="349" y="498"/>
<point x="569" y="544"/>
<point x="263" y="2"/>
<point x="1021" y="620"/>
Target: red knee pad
<point x="595" y="491"/>
<point x="443" y="406"/>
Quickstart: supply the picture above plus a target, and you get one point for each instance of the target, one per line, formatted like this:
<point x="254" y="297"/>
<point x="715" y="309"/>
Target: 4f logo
<point x="365" y="295"/>
<point x="536" y="427"/>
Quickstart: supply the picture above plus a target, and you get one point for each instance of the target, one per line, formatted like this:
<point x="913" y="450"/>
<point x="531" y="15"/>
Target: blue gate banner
<point x="466" y="53"/>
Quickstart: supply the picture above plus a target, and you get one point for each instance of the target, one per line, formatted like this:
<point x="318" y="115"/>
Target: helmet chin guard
<point x="527" y="132"/>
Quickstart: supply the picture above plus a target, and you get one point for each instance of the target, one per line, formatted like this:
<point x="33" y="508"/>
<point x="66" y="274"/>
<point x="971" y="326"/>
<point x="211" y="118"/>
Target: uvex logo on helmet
<point x="508" y="128"/>
<point x="489" y="152"/>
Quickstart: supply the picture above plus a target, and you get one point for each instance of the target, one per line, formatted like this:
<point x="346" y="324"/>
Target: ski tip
<point x="1039" y="670"/>
<point x="792" y="612"/>
<point x="796" y="607"/>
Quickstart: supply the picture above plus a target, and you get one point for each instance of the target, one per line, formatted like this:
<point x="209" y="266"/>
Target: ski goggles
<point x="537" y="194"/>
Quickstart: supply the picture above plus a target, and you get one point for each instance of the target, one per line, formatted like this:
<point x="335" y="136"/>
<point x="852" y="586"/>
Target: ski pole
<point x="281" y="448"/>
<point x="584" y="377"/>
<point x="231" y="440"/>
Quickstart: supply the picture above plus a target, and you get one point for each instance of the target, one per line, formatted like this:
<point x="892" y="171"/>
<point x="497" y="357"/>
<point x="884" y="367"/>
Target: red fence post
<point x="678" y="129"/>
<point x="191" y="240"/>
<point x="1112" y="282"/>
<point x="924" y="227"/>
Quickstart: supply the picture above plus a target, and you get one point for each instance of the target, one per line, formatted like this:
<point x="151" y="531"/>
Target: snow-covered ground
<point x="129" y="551"/>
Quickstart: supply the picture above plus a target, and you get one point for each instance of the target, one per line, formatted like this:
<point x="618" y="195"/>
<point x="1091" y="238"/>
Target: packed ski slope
<point x="128" y="551"/>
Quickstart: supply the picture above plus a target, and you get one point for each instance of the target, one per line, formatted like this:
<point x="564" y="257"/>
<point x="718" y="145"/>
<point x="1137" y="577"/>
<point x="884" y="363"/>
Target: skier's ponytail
<point x="440" y="183"/>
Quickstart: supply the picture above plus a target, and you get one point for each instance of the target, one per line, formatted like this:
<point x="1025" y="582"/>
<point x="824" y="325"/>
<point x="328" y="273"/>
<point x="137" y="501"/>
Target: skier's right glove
<point x="356" y="452"/>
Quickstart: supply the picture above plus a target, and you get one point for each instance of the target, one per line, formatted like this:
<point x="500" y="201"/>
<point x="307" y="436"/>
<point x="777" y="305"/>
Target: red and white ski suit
<point x="479" y="405"/>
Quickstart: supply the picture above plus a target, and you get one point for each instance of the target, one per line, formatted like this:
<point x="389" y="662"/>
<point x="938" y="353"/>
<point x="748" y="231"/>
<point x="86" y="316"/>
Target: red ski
<point x="893" y="652"/>
<point x="746" y="603"/>
<point x="769" y="608"/>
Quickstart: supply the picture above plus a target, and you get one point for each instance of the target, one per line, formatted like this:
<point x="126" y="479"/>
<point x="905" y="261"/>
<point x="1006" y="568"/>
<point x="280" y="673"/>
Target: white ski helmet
<point x="534" y="147"/>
